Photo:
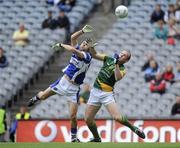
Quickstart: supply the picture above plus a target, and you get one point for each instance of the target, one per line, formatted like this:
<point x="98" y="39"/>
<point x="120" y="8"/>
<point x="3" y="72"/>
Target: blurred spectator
<point x="173" y="30"/>
<point x="161" y="32"/>
<point x="63" y="22"/>
<point x="124" y="2"/>
<point x="3" y="125"/>
<point x="170" y="13"/>
<point x="157" y="14"/>
<point x="20" y="36"/>
<point x="177" y="6"/>
<point x="158" y="85"/>
<point x="3" y="59"/>
<point x="23" y="114"/>
<point x="49" y="22"/>
<point x="151" y="71"/>
<point x="176" y="107"/>
<point x="66" y="5"/>
<point x="168" y="75"/>
<point x="84" y="96"/>
<point x="106" y="6"/>
<point x="51" y="2"/>
<point x="150" y="57"/>
<point x="177" y="74"/>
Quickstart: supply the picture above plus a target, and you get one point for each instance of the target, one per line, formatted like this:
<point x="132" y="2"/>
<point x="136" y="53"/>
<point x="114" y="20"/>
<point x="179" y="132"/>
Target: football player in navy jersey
<point x="74" y="74"/>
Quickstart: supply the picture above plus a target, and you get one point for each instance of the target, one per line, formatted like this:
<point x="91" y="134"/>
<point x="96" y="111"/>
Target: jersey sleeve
<point x="107" y="58"/>
<point x="77" y="46"/>
<point x="87" y="57"/>
<point x="123" y="72"/>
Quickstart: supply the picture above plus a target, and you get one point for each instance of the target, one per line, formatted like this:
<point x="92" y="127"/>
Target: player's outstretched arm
<point x="76" y="35"/>
<point x="72" y="49"/>
<point x="96" y="55"/>
<point x="119" y="74"/>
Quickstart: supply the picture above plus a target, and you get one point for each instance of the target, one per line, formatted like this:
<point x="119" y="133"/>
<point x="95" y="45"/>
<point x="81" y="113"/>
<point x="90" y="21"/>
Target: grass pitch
<point x="89" y="145"/>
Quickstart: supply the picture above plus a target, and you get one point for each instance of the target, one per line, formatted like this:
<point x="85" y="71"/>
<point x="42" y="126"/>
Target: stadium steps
<point x="51" y="73"/>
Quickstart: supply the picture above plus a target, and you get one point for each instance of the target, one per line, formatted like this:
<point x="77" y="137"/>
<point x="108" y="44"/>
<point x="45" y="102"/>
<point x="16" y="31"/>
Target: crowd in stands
<point x="158" y="77"/>
<point x="167" y="23"/>
<point x="22" y="114"/>
<point x="21" y="38"/>
<point x="64" y="5"/>
<point x="176" y="106"/>
<point x="167" y="28"/>
<point x="21" y="35"/>
<point x="61" y="21"/>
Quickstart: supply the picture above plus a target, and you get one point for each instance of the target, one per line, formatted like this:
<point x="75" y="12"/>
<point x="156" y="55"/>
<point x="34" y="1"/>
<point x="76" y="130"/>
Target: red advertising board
<point x="59" y="131"/>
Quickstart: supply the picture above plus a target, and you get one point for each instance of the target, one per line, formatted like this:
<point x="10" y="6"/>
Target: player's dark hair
<point x="89" y="40"/>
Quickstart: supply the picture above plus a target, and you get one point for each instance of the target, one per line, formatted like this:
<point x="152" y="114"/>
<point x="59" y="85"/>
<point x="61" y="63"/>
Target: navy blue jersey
<point x="77" y="67"/>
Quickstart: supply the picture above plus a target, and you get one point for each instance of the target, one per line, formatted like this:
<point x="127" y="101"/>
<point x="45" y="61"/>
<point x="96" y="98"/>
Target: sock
<point x="93" y="129"/>
<point x="125" y="122"/>
<point x="73" y="133"/>
<point x="36" y="98"/>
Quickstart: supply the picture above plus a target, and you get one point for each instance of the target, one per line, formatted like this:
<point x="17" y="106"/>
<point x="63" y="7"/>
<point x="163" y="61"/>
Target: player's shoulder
<point x="77" y="46"/>
<point x="108" y="58"/>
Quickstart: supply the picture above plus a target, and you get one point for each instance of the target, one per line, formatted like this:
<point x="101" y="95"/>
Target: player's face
<point x="84" y="46"/>
<point x="123" y="57"/>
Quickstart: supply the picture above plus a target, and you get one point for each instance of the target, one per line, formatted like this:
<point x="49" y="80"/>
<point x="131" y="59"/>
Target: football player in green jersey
<point x="112" y="71"/>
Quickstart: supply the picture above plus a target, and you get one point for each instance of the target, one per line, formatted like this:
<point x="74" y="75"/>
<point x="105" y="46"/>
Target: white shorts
<point x="65" y="88"/>
<point x="99" y="97"/>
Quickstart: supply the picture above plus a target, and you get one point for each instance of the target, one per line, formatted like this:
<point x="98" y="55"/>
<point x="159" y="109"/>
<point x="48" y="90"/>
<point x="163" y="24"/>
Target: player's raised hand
<point x="87" y="28"/>
<point x="57" y="46"/>
<point x="116" y="58"/>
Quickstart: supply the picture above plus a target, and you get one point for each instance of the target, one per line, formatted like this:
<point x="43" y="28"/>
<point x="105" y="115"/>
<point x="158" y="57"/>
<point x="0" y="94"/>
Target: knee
<point x="73" y="117"/>
<point x="117" y="118"/>
<point x="88" y="120"/>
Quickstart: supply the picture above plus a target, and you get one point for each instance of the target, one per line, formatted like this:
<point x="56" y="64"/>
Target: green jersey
<point x="106" y="78"/>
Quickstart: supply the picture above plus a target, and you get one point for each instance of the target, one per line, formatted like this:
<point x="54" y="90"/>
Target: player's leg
<point x="113" y="110"/>
<point x="90" y="113"/>
<point x="73" y="107"/>
<point x="51" y="90"/>
<point x="42" y="95"/>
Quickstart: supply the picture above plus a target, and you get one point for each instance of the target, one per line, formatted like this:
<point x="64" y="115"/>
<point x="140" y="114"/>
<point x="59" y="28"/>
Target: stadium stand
<point x="25" y="62"/>
<point x="132" y="93"/>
